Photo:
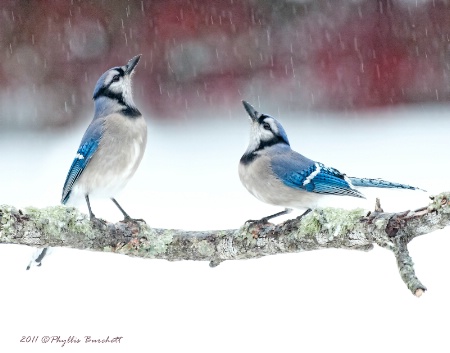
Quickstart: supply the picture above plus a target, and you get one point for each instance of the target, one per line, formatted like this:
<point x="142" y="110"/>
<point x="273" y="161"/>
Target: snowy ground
<point x="322" y="301"/>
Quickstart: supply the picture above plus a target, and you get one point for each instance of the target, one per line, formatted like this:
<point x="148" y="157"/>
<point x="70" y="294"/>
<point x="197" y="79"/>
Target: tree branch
<point x="320" y="229"/>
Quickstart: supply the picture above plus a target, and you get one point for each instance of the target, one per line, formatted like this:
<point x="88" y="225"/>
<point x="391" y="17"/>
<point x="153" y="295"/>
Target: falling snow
<point x="363" y="85"/>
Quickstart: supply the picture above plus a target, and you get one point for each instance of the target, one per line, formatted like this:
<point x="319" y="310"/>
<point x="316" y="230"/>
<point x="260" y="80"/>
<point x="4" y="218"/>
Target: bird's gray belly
<point x="260" y="181"/>
<point x="116" y="160"/>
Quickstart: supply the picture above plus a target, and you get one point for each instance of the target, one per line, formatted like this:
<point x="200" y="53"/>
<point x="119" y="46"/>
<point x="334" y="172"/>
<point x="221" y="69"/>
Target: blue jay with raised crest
<point x="112" y="146"/>
<point x="275" y="174"/>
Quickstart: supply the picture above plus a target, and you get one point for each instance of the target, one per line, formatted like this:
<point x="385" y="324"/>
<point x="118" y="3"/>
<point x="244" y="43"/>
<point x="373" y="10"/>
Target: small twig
<point x="378" y="206"/>
<point x="406" y="267"/>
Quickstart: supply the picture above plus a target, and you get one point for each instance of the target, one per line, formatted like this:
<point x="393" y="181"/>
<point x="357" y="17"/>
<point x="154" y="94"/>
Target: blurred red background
<point x="329" y="55"/>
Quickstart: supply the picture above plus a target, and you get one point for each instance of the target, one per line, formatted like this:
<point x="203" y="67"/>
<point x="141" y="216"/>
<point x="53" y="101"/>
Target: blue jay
<point x="112" y="146"/>
<point x="275" y="174"/>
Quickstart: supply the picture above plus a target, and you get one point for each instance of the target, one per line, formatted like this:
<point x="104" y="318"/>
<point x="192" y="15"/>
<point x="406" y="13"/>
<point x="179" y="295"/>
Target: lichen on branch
<point x="62" y="226"/>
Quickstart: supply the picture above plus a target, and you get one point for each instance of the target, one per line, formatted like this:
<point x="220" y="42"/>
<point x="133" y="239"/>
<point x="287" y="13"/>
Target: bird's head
<point x="114" y="88"/>
<point x="265" y="130"/>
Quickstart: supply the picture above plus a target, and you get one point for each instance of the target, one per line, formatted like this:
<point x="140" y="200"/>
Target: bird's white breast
<point x="120" y="152"/>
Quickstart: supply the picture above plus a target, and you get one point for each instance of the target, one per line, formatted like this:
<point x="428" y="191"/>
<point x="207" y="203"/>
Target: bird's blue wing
<point x="299" y="172"/>
<point x="88" y="147"/>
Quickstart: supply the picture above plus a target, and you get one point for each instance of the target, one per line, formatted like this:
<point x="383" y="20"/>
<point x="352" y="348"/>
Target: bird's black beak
<point x="254" y="115"/>
<point x="132" y="64"/>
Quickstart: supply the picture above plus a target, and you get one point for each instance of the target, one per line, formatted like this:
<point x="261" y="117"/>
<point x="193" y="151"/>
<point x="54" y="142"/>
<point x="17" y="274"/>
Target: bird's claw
<point x="134" y="221"/>
<point x="98" y="222"/>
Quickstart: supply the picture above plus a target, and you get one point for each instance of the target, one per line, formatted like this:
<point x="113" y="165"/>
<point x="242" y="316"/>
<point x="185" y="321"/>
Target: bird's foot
<point x="97" y="222"/>
<point x="304" y="214"/>
<point x="254" y="226"/>
<point x="266" y="219"/>
<point x="134" y="221"/>
<point x="128" y="219"/>
<point x="254" y="222"/>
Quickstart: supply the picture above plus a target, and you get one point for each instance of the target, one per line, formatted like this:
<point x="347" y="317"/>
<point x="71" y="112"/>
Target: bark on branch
<point x="320" y="229"/>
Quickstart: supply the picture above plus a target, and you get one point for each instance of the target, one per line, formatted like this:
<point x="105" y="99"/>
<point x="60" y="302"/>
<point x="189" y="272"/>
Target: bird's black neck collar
<point x="249" y="157"/>
<point x="127" y="110"/>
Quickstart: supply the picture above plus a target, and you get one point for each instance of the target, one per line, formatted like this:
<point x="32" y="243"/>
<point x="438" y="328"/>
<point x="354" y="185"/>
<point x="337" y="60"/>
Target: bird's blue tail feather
<point x="380" y="183"/>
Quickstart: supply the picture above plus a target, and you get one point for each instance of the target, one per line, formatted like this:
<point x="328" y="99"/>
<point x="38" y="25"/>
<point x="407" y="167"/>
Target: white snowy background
<point x="321" y="301"/>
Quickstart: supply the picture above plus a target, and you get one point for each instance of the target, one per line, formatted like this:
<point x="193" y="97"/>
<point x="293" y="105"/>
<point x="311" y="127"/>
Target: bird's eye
<point x="266" y="126"/>
<point x="116" y="78"/>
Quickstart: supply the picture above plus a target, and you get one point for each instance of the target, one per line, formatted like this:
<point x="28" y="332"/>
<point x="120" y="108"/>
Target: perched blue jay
<point x="114" y="143"/>
<point x="112" y="146"/>
<point x="274" y="173"/>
